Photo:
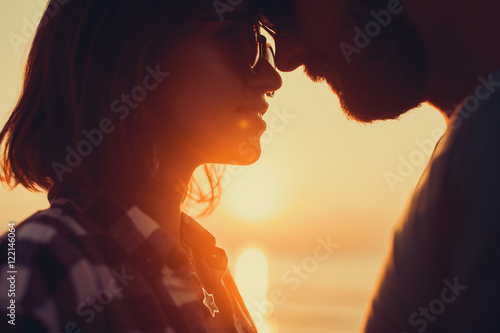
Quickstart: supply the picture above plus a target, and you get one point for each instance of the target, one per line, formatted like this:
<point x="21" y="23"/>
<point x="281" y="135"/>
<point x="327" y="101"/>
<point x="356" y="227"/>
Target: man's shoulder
<point x="474" y="125"/>
<point x="469" y="150"/>
<point x="474" y="142"/>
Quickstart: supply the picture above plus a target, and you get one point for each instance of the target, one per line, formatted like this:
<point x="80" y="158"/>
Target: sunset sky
<point x="320" y="174"/>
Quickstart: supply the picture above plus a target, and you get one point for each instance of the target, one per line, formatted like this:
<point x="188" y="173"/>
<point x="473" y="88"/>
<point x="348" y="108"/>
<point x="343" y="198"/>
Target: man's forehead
<point x="272" y="8"/>
<point x="282" y="12"/>
<point x="276" y="15"/>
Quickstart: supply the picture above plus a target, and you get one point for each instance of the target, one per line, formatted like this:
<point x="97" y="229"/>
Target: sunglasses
<point x="254" y="44"/>
<point x="264" y="49"/>
<point x="276" y="16"/>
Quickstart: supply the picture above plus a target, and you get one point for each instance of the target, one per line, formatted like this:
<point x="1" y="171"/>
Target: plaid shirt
<point x="102" y="267"/>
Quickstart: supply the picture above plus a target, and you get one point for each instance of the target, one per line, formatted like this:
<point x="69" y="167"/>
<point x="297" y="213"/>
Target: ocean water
<point x="308" y="295"/>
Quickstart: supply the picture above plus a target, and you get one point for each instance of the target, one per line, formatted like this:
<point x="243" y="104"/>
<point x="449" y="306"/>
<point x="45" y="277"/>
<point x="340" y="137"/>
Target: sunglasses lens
<point x="270" y="55"/>
<point x="255" y="49"/>
<point x="256" y="46"/>
<point x="249" y="42"/>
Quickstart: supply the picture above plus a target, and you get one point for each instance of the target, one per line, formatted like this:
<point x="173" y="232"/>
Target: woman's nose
<point x="266" y="78"/>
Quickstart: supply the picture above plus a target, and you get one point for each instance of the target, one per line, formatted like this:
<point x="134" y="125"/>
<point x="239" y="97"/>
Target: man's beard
<point x="385" y="80"/>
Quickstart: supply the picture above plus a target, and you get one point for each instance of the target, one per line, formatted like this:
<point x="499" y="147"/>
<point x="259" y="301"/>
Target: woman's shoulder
<point x="44" y="229"/>
<point x="51" y="266"/>
<point x="49" y="244"/>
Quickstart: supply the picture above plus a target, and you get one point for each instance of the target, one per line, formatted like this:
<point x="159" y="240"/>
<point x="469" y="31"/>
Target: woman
<point x="122" y="101"/>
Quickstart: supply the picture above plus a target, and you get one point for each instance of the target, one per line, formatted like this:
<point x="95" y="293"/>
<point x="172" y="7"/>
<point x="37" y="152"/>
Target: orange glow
<point x="319" y="174"/>
<point x="243" y="124"/>
<point x="251" y="195"/>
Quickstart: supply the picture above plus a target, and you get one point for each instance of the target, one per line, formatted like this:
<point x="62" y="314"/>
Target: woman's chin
<point x="242" y="157"/>
<point x="247" y="161"/>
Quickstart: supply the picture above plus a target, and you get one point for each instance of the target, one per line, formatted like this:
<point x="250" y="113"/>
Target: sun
<point x="251" y="195"/>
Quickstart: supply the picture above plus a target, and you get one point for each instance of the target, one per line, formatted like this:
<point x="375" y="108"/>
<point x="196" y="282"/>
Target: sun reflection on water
<point x="252" y="278"/>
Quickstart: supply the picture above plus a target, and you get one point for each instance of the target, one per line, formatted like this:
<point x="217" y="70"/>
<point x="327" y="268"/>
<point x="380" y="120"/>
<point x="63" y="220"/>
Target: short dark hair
<point x="84" y="55"/>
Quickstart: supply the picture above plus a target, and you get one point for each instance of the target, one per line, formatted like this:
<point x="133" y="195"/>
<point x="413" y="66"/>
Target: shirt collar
<point x="141" y="238"/>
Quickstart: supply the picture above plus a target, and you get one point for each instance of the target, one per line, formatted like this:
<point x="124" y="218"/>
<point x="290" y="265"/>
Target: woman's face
<point x="210" y="106"/>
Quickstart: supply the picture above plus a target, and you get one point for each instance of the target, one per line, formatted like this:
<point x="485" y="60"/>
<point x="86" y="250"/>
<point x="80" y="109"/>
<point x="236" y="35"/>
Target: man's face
<point x="366" y="50"/>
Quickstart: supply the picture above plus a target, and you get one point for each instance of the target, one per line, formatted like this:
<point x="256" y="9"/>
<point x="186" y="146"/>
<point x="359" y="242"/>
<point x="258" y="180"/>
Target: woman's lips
<point x="259" y="110"/>
<point x="256" y="112"/>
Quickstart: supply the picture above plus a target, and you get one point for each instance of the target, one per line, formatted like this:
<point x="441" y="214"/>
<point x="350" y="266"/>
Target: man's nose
<point x="290" y="53"/>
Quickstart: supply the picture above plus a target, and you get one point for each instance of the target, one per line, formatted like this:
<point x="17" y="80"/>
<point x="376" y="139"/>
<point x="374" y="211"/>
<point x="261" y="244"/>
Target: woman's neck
<point x="161" y="199"/>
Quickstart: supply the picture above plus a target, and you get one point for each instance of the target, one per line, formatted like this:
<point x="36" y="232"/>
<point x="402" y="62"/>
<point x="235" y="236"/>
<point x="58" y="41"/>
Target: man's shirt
<point x="443" y="273"/>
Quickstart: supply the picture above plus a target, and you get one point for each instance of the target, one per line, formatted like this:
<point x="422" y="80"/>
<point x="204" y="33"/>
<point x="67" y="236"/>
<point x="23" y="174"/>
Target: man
<point x="383" y="58"/>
